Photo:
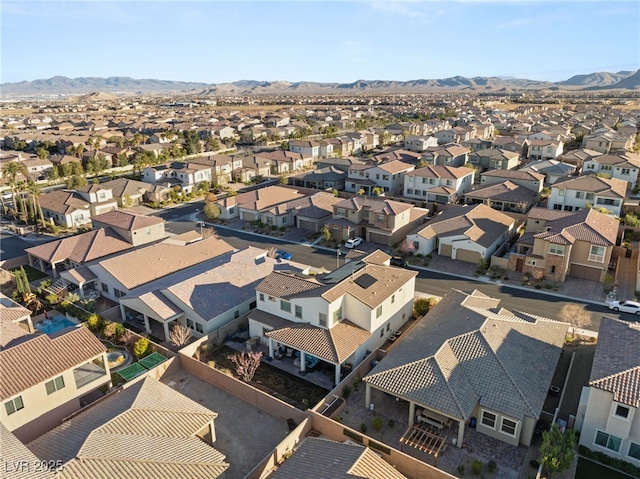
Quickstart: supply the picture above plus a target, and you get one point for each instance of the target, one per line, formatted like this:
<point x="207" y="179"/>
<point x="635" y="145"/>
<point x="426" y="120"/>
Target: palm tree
<point x="11" y="170"/>
<point x="34" y="189"/>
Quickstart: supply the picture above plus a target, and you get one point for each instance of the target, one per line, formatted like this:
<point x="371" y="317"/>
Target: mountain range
<point x="60" y="85"/>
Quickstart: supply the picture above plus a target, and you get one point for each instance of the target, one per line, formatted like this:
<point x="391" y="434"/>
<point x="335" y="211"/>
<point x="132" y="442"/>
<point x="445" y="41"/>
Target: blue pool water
<point x="53" y="325"/>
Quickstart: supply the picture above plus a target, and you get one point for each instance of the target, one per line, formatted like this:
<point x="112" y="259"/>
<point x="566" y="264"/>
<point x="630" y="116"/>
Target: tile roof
<point x="144" y="430"/>
<point x="523" y="174"/>
<point x="46" y="356"/>
<point x="335" y="344"/>
<point x="615" y="364"/>
<point x="81" y="248"/>
<point x="383" y="206"/>
<point x="14" y="452"/>
<point x="382" y="282"/>
<point x="395" y="166"/>
<point x="480" y="223"/>
<point x="612" y="187"/>
<point x="144" y="265"/>
<point x="282" y="284"/>
<point x="262" y="198"/>
<point x="440" y="171"/>
<point x="321" y="458"/>
<point x="546" y="214"/>
<point x="587" y="225"/>
<point x="126" y="221"/>
<point x="63" y="201"/>
<point x="377" y="257"/>
<point x="549" y="167"/>
<point x="466" y="351"/>
<point x="505" y="191"/>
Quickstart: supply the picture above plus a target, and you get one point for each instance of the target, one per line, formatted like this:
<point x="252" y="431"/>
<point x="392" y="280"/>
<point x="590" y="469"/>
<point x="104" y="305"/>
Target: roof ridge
<point x="611" y="376"/>
<point x="93" y="241"/>
<point x="446" y="381"/>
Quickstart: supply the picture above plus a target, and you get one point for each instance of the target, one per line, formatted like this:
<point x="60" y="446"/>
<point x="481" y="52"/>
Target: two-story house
<point x="544" y="149"/>
<point x="334" y="318"/>
<point x="588" y="191"/>
<point x="513" y="144"/>
<point x="531" y="181"/>
<point x="374" y="219"/>
<point x="494" y="159"/>
<point x="420" y="143"/>
<point x="623" y="167"/>
<point x="552" y="170"/>
<point x="607" y="141"/>
<point x="446" y="155"/>
<point x="186" y="175"/>
<point x="609" y="410"/>
<point x="63" y="368"/>
<point x="558" y="244"/>
<point x="388" y="176"/>
<point x="71" y="209"/>
<point x="222" y="167"/>
<point x="250" y="205"/>
<point x="578" y="157"/>
<point x="440" y="184"/>
<point x="311" y="148"/>
<point x="286" y="161"/>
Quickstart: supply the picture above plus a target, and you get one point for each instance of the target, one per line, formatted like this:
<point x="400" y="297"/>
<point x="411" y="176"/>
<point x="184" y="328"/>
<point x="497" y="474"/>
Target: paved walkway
<point x="626" y="276"/>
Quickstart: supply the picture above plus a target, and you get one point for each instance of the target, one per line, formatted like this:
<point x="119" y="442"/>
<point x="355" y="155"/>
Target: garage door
<point x="379" y="238"/>
<point x="468" y="255"/>
<point x="248" y="216"/>
<point x="445" y="250"/>
<point x="307" y="225"/>
<point x="585" y="272"/>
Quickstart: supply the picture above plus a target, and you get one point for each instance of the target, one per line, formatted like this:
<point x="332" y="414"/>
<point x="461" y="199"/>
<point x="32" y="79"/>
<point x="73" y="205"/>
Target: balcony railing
<point x="88" y="373"/>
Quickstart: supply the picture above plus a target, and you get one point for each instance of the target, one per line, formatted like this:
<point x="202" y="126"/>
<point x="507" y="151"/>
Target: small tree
<point x="407" y="247"/>
<point x="557" y="449"/>
<point x="377" y="423"/>
<point x="140" y="348"/>
<point x="576" y="316"/>
<point x="94" y="323"/>
<point x="179" y="335"/>
<point x="246" y="364"/>
<point x="325" y="232"/>
<point x="421" y="306"/>
<point x="113" y="330"/>
<point x="211" y="211"/>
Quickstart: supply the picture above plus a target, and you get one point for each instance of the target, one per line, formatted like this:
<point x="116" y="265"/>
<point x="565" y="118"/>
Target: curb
<point x="422" y="268"/>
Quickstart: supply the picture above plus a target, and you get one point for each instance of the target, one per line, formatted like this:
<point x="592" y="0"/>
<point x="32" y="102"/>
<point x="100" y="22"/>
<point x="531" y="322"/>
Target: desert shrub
<point x="363" y="428"/>
<point x="476" y="467"/>
<point x="491" y="465"/>
<point x="422" y="306"/>
<point x="95" y="323"/>
<point x="141" y="348"/>
<point x="377" y="423"/>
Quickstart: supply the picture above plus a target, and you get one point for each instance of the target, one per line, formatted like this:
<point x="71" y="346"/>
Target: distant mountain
<point x="60" y="85"/>
<point x="600" y="79"/>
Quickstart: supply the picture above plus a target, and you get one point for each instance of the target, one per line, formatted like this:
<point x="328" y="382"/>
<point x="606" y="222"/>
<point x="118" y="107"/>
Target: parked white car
<point x="353" y="242"/>
<point x="626" y="306"/>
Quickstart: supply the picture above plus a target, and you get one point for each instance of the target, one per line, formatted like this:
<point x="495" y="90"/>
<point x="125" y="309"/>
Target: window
<point x="236" y="314"/>
<point x="607" y="201"/>
<point x="508" y="427"/>
<point x="388" y="327"/>
<point x="105" y="287"/>
<point x="271" y="298"/>
<point x="261" y="296"/>
<point x="553" y="269"/>
<point x="117" y="293"/>
<point x="190" y="323"/>
<point x="199" y="328"/>
<point x="580" y="195"/>
<point x="54" y="385"/>
<point x="379" y="311"/>
<point x="14" y="405"/>
<point x="561" y="192"/>
<point x="488" y="419"/>
<point x="424" y="180"/>
<point x="608" y="441"/>
<point x="622" y="411"/>
<point x="556" y="249"/>
<point x="393" y="298"/>
<point x="284" y="220"/>
<point x="409" y="191"/>
<point x="597" y="254"/>
<point x="337" y="315"/>
<point x="322" y="319"/>
<point x="625" y="171"/>
<point x="377" y="176"/>
<point x="285" y="305"/>
<point x="298" y="311"/>
<point x="634" y="451"/>
<point x="385" y="177"/>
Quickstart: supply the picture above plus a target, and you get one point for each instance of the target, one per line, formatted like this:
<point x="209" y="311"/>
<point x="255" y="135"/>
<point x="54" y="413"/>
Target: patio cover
<point x="132" y="371"/>
<point x="152" y="360"/>
<point x="58" y="287"/>
<point x="334" y="345"/>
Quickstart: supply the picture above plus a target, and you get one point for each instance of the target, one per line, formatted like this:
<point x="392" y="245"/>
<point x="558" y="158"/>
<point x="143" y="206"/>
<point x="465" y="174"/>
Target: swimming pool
<point x="53" y="325"/>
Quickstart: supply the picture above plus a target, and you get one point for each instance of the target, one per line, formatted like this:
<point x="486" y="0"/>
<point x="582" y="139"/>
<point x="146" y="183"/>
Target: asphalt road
<point x="13" y="246"/>
<point x="430" y="282"/>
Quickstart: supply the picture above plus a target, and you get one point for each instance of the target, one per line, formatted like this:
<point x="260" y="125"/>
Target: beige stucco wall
<point x="496" y="433"/>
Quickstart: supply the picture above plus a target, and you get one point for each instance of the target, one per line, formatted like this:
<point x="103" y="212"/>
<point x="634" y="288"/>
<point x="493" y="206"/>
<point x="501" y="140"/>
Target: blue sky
<point x="342" y="41"/>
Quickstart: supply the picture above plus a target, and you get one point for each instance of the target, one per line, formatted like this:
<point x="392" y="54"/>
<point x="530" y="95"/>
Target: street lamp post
<point x="337" y="258"/>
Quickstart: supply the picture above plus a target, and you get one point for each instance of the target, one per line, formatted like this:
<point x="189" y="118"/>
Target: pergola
<point x="421" y="437"/>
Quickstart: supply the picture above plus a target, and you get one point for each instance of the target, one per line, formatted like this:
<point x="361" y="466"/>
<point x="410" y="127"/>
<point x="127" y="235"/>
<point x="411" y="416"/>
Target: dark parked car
<point x="398" y="261"/>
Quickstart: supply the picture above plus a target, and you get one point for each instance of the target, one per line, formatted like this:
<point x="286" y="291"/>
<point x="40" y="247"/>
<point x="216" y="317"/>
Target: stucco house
<point x="374" y="219"/>
<point x="73" y="208"/>
<point x="557" y="244"/>
<point x="466" y="233"/>
<point x="530" y="180"/>
<point x="420" y="143"/>
<point x="126" y="435"/>
<point x="336" y="317"/>
<point x="608" y="413"/>
<point x="446" y="155"/>
<point x="328" y="178"/>
<point x="505" y="196"/>
<point x="552" y="170"/>
<point x="544" y="149"/>
<point x="469" y="359"/>
<point x="607" y="141"/>
<point x="388" y="176"/>
<point x="494" y="159"/>
<point x="576" y="193"/>
<point x="441" y="184"/>
<point x="249" y="206"/>
<point x="622" y="166"/>
<point x="63" y="368"/>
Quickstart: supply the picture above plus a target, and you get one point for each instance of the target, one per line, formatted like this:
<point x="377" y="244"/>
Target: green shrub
<point x="422" y="306"/>
<point x="363" y="428"/>
<point x="476" y="467"/>
<point x="377" y="423"/>
<point x="346" y="391"/>
<point x="491" y="465"/>
<point x="615" y="463"/>
<point x="141" y="348"/>
<point x="461" y="469"/>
